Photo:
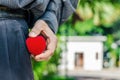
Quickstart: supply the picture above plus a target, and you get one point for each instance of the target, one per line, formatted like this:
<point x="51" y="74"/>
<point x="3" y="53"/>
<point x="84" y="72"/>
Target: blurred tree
<point x="96" y="17"/>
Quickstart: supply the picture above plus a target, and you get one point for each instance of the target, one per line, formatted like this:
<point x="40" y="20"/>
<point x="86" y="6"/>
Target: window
<point x="97" y="55"/>
<point x="79" y="59"/>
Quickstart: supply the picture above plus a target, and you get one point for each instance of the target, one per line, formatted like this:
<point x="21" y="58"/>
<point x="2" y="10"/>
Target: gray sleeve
<point x="58" y="12"/>
<point x="68" y="7"/>
<point x="51" y="15"/>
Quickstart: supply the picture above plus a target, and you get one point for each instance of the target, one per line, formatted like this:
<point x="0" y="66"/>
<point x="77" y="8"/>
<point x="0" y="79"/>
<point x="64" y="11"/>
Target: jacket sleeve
<point x="68" y="7"/>
<point x="58" y="12"/>
<point x="50" y="16"/>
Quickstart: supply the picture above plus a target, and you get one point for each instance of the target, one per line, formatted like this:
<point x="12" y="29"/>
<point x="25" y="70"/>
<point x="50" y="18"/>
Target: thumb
<point x="38" y="27"/>
<point x="35" y="31"/>
<point x="32" y="34"/>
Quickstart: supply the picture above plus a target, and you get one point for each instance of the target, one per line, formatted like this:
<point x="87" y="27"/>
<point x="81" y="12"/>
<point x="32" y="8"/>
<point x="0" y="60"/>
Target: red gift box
<point x="36" y="45"/>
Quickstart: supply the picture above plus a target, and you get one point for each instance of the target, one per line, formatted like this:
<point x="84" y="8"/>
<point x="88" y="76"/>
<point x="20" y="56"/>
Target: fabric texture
<point x="15" y="63"/>
<point x="54" y="12"/>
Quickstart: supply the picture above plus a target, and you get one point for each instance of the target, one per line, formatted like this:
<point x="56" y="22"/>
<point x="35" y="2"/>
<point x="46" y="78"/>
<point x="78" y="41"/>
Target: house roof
<point x="84" y="38"/>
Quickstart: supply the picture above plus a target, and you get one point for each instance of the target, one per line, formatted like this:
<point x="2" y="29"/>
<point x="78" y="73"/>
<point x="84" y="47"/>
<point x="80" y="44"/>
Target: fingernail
<point x="32" y="34"/>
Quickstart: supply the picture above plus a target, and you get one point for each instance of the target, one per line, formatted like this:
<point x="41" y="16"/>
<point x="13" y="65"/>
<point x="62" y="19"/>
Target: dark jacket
<point x="54" y="12"/>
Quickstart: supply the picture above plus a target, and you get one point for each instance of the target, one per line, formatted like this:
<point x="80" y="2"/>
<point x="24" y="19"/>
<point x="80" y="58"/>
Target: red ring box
<point x="36" y="45"/>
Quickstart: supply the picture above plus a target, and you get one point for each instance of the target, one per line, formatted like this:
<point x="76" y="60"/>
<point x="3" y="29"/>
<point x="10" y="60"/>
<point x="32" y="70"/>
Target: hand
<point x="41" y="27"/>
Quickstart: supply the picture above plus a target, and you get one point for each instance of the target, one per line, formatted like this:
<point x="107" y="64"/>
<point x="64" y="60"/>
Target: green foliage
<point x="56" y="77"/>
<point x="83" y="27"/>
<point x="103" y="12"/>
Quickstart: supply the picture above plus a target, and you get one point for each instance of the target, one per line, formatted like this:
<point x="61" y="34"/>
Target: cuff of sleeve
<point x="51" y="20"/>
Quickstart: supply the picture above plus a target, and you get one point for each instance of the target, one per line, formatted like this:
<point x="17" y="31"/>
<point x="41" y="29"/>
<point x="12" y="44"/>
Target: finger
<point x="51" y="45"/>
<point x="51" y="41"/>
<point x="49" y="35"/>
<point x="34" y="32"/>
<point x="32" y="56"/>
<point x="44" y="56"/>
<point x="47" y="54"/>
<point x="42" y="59"/>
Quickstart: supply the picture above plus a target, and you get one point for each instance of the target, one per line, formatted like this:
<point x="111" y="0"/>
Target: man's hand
<point x="41" y="27"/>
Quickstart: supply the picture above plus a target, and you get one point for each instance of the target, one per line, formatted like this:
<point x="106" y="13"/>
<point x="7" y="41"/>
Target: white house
<point x="83" y="52"/>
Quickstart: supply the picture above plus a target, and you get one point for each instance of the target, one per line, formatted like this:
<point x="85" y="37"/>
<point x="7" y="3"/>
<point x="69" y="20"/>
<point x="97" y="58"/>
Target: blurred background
<point x="88" y="45"/>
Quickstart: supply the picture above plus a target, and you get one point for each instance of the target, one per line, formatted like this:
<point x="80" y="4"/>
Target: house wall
<point x="89" y="49"/>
